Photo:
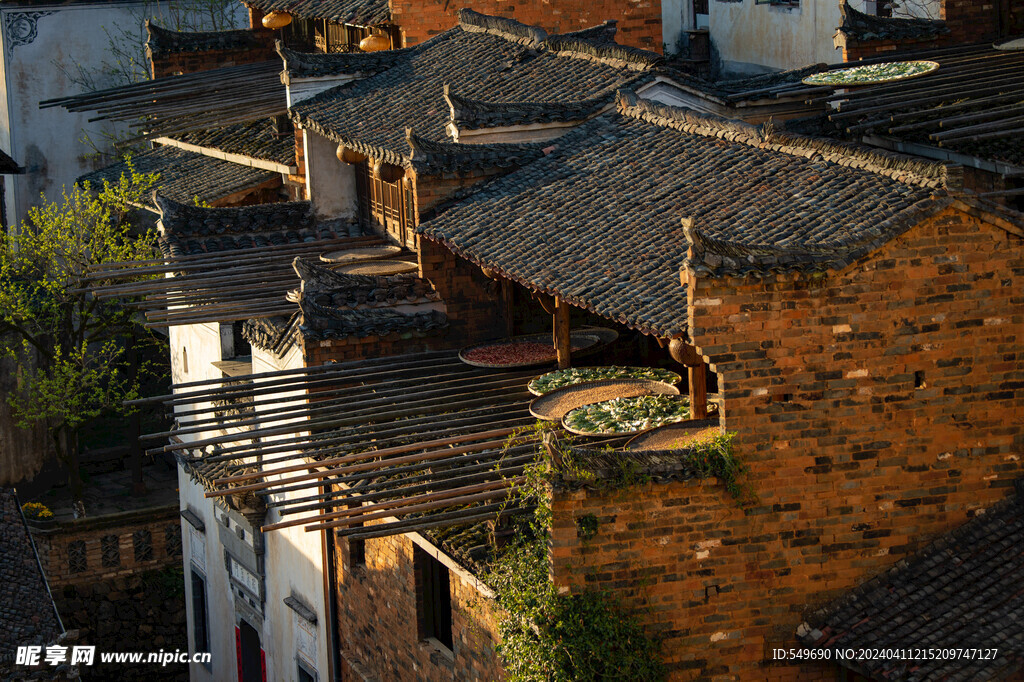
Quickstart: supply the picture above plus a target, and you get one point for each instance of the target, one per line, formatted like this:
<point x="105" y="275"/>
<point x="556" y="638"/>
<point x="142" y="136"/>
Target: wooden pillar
<point x="563" y="337"/>
<point x="698" y="379"/>
<point x="696" y="370"/>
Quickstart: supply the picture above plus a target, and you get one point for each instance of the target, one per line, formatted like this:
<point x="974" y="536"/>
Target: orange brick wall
<point x="378" y="619"/>
<point x="639" y="21"/>
<point x="855" y="468"/>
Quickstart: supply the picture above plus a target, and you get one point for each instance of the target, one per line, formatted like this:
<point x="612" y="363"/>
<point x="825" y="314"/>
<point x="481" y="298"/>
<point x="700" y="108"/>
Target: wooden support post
<point x="563" y="337"/>
<point x="698" y="391"/>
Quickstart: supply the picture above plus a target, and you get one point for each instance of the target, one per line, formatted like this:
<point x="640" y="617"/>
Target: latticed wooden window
<point x="77" y="559"/>
<point x="111" y="546"/>
<point x="172" y="539"/>
<point x="383" y="205"/>
<point x="142" y="541"/>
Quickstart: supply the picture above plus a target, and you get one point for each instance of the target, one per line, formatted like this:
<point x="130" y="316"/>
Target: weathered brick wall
<point x="877" y="408"/>
<point x="377" y="613"/>
<point x="473" y="302"/>
<point x="639" y="20"/>
<point x="191" y="62"/>
<point x="316" y="352"/>
<point x="72" y="552"/>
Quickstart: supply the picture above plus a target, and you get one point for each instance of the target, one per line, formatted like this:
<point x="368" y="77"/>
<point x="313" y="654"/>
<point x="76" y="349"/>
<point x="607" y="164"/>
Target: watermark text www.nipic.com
<point x="86" y="655"/>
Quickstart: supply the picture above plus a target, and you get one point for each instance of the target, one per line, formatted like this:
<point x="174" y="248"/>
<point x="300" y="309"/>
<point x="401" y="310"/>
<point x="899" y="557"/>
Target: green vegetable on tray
<point x="872" y="73"/>
<point x="561" y="378"/>
<point x="628" y="415"/>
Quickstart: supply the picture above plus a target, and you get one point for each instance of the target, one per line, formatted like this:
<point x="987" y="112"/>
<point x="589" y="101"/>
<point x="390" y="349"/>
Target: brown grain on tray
<point x="556" y="404"/>
<point x="672" y="437"/>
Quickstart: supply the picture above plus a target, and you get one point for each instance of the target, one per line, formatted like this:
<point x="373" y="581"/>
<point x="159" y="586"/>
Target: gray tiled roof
<point x="861" y="26"/>
<point x="963" y="591"/>
<point x="598" y="221"/>
<point x="186" y="175"/>
<point x="189" y="230"/>
<point x="254" y="139"/>
<point x="355" y="12"/>
<point x="484" y="58"/>
<point x="476" y="114"/>
<point x="27" y="612"/>
<point x="336" y="305"/>
<point x="317" y="65"/>
<point x="164" y="41"/>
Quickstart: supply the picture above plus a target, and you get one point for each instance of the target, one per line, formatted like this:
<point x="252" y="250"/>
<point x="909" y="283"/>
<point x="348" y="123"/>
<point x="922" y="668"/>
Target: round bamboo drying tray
<point x="531" y="389"/>
<point x="378" y="267"/>
<point x="613" y="433"/>
<point x="556" y="404"/>
<point x="814" y="79"/>
<point x="674" y="436"/>
<point x="1015" y="44"/>
<point x="362" y="254"/>
<point x="584" y="340"/>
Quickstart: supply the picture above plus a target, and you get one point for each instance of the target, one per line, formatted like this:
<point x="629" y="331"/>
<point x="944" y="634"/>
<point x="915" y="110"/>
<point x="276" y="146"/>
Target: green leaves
<point x="70" y="347"/>
<point x="552" y="637"/>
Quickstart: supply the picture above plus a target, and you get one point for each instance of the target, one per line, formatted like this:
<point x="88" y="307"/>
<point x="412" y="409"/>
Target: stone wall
<point x="639" y="20"/>
<point x="877" y="408"/>
<point x="144" y="612"/>
<point x="377" y="615"/>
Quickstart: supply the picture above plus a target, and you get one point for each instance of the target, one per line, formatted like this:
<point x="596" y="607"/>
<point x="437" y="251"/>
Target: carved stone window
<point x="77" y="560"/>
<point x="111" y="546"/>
<point x="142" y="540"/>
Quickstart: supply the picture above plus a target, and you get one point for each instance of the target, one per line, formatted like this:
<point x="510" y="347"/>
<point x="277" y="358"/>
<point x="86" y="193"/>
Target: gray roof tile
<point x="963" y="591"/>
<point x="185" y="176"/>
<point x="598" y="221"/>
<point x="484" y="58"/>
<point x="27" y="612"/>
<point x="355" y="12"/>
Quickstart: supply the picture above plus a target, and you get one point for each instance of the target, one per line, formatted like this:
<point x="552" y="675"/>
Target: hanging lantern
<point x="388" y="172"/>
<point x="277" y="20"/>
<point x="684" y="353"/>
<point x="349" y="155"/>
<point x="375" y="42"/>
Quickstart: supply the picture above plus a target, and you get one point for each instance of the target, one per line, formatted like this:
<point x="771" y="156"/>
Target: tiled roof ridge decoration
<point x="327" y="322"/>
<point x="315" y="64"/>
<point x="163" y="41"/>
<point x="509" y="29"/>
<point x="860" y="26"/>
<point x="365" y="13"/>
<point x="601" y="33"/>
<point x="476" y="114"/>
<point x="611" y="54"/>
<point x="428" y="156"/>
<point x="710" y="257"/>
<point x="181" y="220"/>
<point x="272" y="334"/>
<point x="970" y="575"/>
<point x="904" y="169"/>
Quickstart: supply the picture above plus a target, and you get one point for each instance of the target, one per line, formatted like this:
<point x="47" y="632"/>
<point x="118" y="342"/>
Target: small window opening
<point x="919" y="381"/>
<point x="434" y="598"/>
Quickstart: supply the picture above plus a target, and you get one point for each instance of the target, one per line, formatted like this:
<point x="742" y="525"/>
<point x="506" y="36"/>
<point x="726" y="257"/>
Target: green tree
<point x="73" y="352"/>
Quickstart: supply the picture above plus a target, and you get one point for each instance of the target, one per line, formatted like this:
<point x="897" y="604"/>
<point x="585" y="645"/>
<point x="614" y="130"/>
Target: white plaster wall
<point x="294" y="558"/>
<point x="48" y="142"/>
<point x="219" y="606"/>
<point x="330" y="183"/>
<point x="749" y="39"/>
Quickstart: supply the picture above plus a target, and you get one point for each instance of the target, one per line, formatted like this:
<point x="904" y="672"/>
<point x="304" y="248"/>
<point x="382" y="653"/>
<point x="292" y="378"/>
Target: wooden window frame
<point x="433" y="599"/>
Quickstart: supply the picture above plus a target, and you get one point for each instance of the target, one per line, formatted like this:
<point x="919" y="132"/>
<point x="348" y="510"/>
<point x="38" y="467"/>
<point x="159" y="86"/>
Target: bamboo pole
<point x="387" y="452"/>
<point x="366" y="466"/>
<point x="369" y="512"/>
<point x="415" y="509"/>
